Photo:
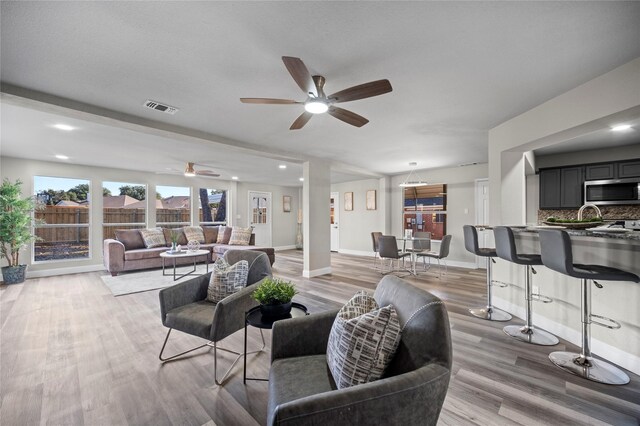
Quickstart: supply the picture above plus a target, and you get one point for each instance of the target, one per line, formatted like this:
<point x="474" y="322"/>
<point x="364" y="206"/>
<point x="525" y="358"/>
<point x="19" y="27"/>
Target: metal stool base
<point x="596" y="370"/>
<point x="490" y="314"/>
<point x="535" y="336"/>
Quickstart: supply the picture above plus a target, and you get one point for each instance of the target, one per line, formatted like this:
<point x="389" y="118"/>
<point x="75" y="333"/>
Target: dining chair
<point x="374" y="239"/>
<point x="420" y="244"/>
<point x="439" y="255"/>
<point x="388" y="249"/>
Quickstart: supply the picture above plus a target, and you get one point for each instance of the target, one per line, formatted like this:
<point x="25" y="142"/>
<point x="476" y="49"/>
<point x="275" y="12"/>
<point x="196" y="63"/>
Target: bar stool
<point x="557" y="255"/>
<point x="506" y="249"/>
<point x="471" y="244"/>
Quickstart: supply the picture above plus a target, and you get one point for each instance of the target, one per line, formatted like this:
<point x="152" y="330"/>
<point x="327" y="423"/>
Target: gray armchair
<point x="302" y="390"/>
<point x="184" y="307"/>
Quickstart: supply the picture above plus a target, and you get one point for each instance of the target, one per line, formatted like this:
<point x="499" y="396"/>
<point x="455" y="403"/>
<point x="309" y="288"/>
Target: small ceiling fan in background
<point x="191" y="171"/>
<point x="317" y="102"/>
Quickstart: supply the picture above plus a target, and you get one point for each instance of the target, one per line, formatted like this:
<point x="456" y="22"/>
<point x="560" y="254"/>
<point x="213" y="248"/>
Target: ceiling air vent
<point x="468" y="164"/>
<point x="160" y="107"/>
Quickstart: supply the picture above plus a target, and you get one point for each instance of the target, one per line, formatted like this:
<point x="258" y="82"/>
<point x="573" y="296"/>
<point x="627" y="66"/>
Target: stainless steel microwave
<point x="614" y="191"/>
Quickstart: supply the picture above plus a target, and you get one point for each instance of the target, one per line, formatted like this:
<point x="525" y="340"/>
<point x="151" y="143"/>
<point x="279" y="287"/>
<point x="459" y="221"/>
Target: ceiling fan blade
<point x="366" y="90"/>
<point x="301" y="121"/>
<point x="300" y="74"/>
<point x="348" y="116"/>
<point x="268" y="101"/>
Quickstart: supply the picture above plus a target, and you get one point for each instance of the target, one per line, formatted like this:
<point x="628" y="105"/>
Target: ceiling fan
<point x="317" y="102"/>
<point x="190" y="171"/>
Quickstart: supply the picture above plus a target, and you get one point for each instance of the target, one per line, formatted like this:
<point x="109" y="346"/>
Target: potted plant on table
<point x="16" y="222"/>
<point x="275" y="297"/>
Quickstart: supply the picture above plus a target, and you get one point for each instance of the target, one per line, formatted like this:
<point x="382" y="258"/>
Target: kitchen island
<point x="617" y="300"/>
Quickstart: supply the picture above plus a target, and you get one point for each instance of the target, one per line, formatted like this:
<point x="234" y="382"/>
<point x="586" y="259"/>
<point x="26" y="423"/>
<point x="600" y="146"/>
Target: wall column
<point x="315" y="207"/>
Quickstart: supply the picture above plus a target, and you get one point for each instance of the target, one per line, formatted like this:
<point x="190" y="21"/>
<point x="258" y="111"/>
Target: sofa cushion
<point x="153" y="237"/>
<point x="194" y="318"/>
<point x="362" y="341"/>
<point x="193" y="233"/>
<point x="210" y="234"/>
<point x="285" y="382"/>
<point x="130" y="238"/>
<point x="144" y="253"/>
<point x="182" y="240"/>
<point x="227" y="279"/>
<point x="240" y="236"/>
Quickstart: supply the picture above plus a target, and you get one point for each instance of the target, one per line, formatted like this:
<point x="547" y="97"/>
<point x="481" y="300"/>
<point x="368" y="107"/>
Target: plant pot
<point x="13" y="274"/>
<point x="275" y="311"/>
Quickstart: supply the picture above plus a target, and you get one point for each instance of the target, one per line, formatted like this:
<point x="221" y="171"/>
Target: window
<point x="66" y="212"/>
<point x="213" y="206"/>
<point x="124" y="206"/>
<point x="175" y="211"/>
<point x="425" y="209"/>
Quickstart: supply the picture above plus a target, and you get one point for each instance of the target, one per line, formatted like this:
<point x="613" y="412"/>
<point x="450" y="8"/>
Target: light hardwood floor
<point x="71" y="353"/>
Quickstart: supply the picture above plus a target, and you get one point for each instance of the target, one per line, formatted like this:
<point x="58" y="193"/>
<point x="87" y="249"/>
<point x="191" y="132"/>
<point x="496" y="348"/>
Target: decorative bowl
<point x="574" y="225"/>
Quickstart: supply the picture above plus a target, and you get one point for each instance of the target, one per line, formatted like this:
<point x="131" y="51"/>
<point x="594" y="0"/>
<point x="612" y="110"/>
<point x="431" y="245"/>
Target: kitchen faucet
<point x="584" y="206"/>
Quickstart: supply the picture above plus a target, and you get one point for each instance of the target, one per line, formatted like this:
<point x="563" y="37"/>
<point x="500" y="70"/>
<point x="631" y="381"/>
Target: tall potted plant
<point x="16" y="222"/>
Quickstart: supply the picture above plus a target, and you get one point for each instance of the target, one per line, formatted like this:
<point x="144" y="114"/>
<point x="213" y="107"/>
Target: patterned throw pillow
<point x="153" y="237"/>
<point x="194" y="233"/>
<point x="362" y="341"/>
<point x="227" y="279"/>
<point x="221" y="231"/>
<point x="240" y="236"/>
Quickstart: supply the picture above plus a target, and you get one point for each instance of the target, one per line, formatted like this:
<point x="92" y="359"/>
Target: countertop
<point x="626" y="236"/>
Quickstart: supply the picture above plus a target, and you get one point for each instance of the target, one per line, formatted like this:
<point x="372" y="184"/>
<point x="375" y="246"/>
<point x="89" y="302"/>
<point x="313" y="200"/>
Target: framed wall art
<point x="286" y="203"/>
<point x="348" y="201"/>
<point x="371" y="199"/>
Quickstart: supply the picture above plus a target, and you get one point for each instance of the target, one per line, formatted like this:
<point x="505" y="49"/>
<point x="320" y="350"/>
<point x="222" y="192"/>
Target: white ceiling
<point x="457" y="69"/>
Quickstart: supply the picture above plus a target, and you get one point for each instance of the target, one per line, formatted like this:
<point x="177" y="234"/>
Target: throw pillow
<point x="362" y="341"/>
<point x="194" y="233"/>
<point x="210" y="234"/>
<point x="227" y="279"/>
<point x="153" y="237"/>
<point x="130" y="238"/>
<point x="182" y="240"/>
<point x="240" y="236"/>
<point x="221" y="230"/>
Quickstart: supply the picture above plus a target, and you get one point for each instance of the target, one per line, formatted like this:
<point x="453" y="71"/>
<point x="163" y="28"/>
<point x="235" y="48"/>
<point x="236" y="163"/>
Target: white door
<point x="334" y="211"/>
<point x="482" y="217"/>
<point x="260" y="217"/>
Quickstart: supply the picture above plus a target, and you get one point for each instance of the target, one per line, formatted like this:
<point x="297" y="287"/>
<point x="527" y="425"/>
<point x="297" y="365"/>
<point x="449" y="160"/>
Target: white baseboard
<point x="281" y="248"/>
<point x="357" y="252"/>
<point x="624" y="359"/>
<point x="314" y="273"/>
<point x="454" y="263"/>
<point x="64" y="271"/>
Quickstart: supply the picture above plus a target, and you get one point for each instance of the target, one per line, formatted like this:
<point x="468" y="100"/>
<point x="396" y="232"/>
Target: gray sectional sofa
<point x="127" y="252"/>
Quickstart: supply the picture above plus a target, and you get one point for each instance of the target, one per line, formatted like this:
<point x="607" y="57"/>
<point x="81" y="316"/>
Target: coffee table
<point x="184" y="254"/>
<point x="253" y="317"/>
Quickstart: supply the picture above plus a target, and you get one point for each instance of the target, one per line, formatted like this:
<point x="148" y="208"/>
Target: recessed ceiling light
<point x="62" y="157"/>
<point x="301" y="179"/>
<point x="621" y="127"/>
<point x="234" y="177"/>
<point x="64" y="127"/>
<point x="282" y="166"/>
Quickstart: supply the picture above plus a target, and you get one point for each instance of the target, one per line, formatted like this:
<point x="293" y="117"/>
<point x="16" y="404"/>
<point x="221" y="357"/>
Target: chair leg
<point x="215" y="347"/>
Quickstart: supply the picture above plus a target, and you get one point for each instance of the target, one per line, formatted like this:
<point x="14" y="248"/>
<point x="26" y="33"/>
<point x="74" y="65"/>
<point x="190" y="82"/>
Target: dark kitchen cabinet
<point x="600" y="171"/>
<point x="571" y="187"/>
<point x="550" y="189"/>
<point x="629" y="169"/>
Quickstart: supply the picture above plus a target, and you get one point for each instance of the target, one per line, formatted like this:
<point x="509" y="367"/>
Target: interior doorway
<point x="334" y="211"/>
<point x="260" y="217"/>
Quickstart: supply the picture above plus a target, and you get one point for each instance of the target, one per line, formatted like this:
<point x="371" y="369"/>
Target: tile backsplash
<point x="608" y="213"/>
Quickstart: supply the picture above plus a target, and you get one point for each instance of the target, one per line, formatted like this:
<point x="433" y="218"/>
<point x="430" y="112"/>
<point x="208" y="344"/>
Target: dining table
<point x="413" y="253"/>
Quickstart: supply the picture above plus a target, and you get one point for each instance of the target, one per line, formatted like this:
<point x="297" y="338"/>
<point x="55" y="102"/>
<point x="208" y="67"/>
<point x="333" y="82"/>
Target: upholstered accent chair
<point x="184" y="307"/>
<point x="302" y="390"/>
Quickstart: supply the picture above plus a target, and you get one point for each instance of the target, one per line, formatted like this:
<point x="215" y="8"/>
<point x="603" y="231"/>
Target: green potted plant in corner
<point x="16" y="222"/>
<point x="275" y="297"/>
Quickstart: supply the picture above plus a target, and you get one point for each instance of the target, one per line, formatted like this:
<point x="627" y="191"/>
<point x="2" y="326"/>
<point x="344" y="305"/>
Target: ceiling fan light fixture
<point x="316" y="106"/>
<point x="189" y="172"/>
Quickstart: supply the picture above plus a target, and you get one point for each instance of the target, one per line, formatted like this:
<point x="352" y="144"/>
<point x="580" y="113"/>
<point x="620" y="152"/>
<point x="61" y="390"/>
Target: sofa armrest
<point x="300" y="336"/>
<point x="230" y="312"/>
<point x="411" y="398"/>
<point x="113" y="255"/>
<point x="182" y="294"/>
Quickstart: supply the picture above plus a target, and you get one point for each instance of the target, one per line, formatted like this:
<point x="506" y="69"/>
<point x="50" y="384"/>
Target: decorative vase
<point x="299" y="237"/>
<point x="193" y="245"/>
<point x="174" y="247"/>
<point x="275" y="311"/>
<point x="13" y="274"/>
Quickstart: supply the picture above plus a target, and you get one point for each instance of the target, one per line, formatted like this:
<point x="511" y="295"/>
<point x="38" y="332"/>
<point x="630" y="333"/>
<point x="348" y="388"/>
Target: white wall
<point x="284" y="224"/>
